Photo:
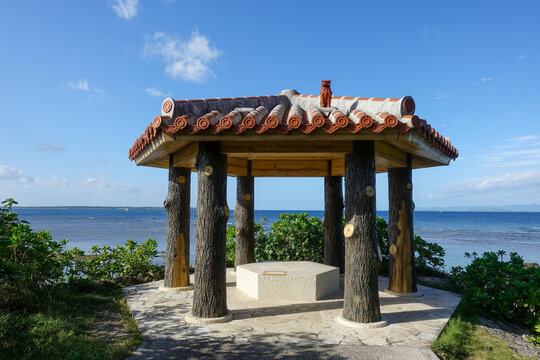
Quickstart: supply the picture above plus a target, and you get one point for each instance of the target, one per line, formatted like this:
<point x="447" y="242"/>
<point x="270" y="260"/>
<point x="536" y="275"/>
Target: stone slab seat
<point x="287" y="280"/>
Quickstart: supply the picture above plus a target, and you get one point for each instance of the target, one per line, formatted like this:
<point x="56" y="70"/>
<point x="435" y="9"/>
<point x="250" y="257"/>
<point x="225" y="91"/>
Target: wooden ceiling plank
<point x="186" y="156"/>
<point x="286" y="148"/>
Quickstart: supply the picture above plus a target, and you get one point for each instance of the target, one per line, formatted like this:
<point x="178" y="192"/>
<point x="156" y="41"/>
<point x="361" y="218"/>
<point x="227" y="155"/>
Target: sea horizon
<point x="458" y="209"/>
<point x="456" y="231"/>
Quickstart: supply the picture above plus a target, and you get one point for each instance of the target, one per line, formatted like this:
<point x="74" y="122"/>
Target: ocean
<point x="456" y="232"/>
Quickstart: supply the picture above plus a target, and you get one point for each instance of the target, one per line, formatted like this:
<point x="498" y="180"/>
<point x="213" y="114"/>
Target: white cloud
<point x="441" y="95"/>
<point x="12" y="173"/>
<point x="83" y="85"/>
<point x="522" y="57"/>
<point x="97" y="181"/>
<point x="484" y="79"/>
<point x="189" y="60"/>
<point x="125" y="9"/>
<point x="44" y="146"/>
<point x="525" y="138"/>
<point x="154" y="92"/>
<point x="525" y="142"/>
<point x="510" y="182"/>
<point x="80" y="85"/>
<point x="521" y="151"/>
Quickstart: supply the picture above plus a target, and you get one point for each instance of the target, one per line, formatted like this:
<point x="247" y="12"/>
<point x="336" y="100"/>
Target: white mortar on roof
<point x="287" y="280"/>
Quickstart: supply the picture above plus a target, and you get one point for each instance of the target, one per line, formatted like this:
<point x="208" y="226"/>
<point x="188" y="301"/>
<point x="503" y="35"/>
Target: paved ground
<point x="286" y="329"/>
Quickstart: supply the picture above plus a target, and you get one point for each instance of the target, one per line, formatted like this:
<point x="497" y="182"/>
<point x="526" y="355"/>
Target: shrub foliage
<point x="506" y="289"/>
<point x="299" y="237"/>
<point x="31" y="262"/>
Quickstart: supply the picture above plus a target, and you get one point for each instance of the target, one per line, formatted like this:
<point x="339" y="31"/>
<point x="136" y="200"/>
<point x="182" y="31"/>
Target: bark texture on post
<point x="361" y="293"/>
<point x="245" y="220"/>
<point x="210" y="294"/>
<point x="177" y="206"/>
<point x="402" y="277"/>
<point x="334" y="251"/>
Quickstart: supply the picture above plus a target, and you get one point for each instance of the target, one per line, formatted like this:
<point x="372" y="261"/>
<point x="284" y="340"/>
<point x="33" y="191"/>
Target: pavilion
<point x="299" y="136"/>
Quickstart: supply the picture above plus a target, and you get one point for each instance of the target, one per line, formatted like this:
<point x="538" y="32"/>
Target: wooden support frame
<point x="361" y="293"/>
<point x="177" y="205"/>
<point x="334" y="248"/>
<point x="210" y="292"/>
<point x="244" y="215"/>
<point x="402" y="278"/>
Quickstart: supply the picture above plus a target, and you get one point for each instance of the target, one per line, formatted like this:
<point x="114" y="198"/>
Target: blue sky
<point x="80" y="80"/>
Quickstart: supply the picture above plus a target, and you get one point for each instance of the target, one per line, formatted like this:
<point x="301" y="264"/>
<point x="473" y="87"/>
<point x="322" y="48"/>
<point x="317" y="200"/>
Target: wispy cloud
<point x="154" y="92"/>
<point x="83" y="85"/>
<point x="517" y="181"/>
<point x="79" y="85"/>
<point x="441" y="95"/>
<point x="99" y="161"/>
<point x="485" y="79"/>
<point x="525" y="142"/>
<point x="125" y="9"/>
<point x="522" y="57"/>
<point x="185" y="59"/>
<point x="427" y="31"/>
<point x="44" y="146"/>
<point x="89" y="182"/>
<point x="521" y="151"/>
<point x="12" y="173"/>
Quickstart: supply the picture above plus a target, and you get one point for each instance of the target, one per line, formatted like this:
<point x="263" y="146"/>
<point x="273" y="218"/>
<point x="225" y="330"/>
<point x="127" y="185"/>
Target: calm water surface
<point x="457" y="232"/>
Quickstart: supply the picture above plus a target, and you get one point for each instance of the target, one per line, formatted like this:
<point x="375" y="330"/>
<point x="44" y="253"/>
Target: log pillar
<point x="244" y="215"/>
<point x="334" y="251"/>
<point x="361" y="292"/>
<point x="210" y="294"/>
<point x="177" y="205"/>
<point x="402" y="278"/>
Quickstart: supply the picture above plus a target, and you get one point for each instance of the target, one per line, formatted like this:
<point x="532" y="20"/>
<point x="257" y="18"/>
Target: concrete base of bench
<point x="287" y="280"/>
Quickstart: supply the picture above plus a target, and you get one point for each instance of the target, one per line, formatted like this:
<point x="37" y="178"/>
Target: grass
<point x="462" y="338"/>
<point x="77" y="321"/>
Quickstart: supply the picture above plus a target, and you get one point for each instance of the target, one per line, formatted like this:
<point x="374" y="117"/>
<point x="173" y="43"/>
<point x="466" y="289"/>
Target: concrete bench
<point x="287" y="280"/>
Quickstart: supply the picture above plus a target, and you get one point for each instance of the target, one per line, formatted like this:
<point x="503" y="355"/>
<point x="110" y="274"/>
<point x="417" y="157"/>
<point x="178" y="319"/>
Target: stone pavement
<point x="270" y="329"/>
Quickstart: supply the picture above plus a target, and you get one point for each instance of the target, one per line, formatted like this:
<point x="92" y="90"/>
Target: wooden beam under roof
<point x="289" y="168"/>
<point x="186" y="156"/>
<point x="414" y="144"/>
<point x="158" y="150"/>
<point x="389" y="156"/>
<point x="390" y="150"/>
<point x="285" y="148"/>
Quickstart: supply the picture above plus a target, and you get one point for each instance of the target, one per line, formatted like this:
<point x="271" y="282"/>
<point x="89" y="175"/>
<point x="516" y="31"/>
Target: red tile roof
<point x="289" y="112"/>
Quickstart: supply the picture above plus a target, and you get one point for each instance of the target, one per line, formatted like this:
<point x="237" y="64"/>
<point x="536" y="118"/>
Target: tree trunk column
<point x="402" y="277"/>
<point x="361" y="295"/>
<point x="177" y="205"/>
<point x="334" y="251"/>
<point x="210" y="293"/>
<point x="245" y="219"/>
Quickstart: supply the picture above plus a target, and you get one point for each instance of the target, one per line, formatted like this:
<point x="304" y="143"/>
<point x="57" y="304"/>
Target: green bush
<point x="506" y="289"/>
<point x="128" y="264"/>
<point x="293" y="237"/>
<point x="230" y="246"/>
<point x="261" y="237"/>
<point x="297" y="237"/>
<point x="29" y="261"/>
